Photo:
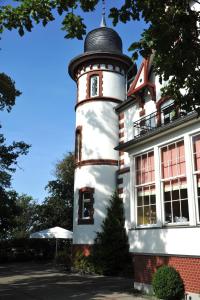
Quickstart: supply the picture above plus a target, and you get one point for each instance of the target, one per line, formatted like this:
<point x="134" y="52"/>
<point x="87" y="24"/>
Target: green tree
<point x="8" y="212"/>
<point x="8" y="162"/>
<point x="26" y="217"/>
<point x="111" y="249"/>
<point x="57" y="209"/>
<point x="171" y="35"/>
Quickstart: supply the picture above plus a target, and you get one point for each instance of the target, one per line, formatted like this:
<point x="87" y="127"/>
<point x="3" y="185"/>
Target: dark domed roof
<point x="103" y="39"/>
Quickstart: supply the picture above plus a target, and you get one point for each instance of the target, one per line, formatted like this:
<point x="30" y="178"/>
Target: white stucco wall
<point x="103" y="180"/>
<point x="114" y="85"/>
<point x="99" y="130"/>
<point x="82" y="87"/>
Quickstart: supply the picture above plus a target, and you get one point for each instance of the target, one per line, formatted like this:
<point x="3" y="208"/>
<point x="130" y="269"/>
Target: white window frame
<point x="135" y="187"/>
<point x="162" y="180"/>
<point x="194" y="174"/>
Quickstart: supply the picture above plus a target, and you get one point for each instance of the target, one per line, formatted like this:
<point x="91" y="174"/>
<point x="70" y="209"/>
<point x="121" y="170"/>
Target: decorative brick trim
<point x="121" y="153"/>
<point x="95" y="99"/>
<point x="188" y="267"/>
<point x="142" y="112"/>
<point x="121" y="125"/>
<point x="99" y="69"/>
<point x="120" y="180"/>
<point x="89" y="75"/>
<point x="82" y="221"/>
<point x="85" y="249"/>
<point x="121" y="134"/>
<point x="78" y="147"/>
<point x="123" y="171"/>
<point x="121" y="116"/>
<point x="120" y="191"/>
<point x="89" y="162"/>
<point x="121" y="162"/>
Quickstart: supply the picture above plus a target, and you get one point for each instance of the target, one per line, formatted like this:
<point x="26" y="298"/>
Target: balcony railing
<point x="160" y="118"/>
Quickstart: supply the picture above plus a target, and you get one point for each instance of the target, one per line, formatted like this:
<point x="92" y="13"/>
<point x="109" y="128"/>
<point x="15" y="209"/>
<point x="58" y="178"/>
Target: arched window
<point x="78" y="144"/>
<point x="94" y="86"/>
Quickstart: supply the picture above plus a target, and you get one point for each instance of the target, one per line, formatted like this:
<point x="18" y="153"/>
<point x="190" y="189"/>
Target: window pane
<point x="184" y="194"/>
<point x="152" y="199"/>
<point x="168" y="212"/>
<point x="140" y="215"/>
<point x="153" y="214"/>
<point x="176" y="211"/>
<point x="185" y="210"/>
<point x="94" y="86"/>
<point x="146" y="215"/>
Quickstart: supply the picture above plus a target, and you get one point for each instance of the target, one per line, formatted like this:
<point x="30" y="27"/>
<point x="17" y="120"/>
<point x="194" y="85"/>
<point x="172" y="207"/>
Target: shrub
<point x="111" y="250"/>
<point x="167" y="284"/>
<point x="83" y="264"/>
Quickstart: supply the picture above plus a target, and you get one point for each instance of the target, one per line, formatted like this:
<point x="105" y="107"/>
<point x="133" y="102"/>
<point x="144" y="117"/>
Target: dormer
<point x="142" y="81"/>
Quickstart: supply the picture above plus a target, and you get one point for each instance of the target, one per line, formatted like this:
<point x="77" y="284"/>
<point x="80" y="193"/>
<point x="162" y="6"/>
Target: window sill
<point x="85" y="221"/>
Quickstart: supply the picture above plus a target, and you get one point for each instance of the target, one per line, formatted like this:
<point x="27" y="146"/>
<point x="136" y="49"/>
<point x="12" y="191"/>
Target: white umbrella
<point x="53" y="233"/>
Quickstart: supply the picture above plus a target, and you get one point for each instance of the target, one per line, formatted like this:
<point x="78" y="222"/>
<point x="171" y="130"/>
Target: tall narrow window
<point x="78" y="144"/>
<point x="94" y="86"/>
<point x="145" y="189"/>
<point x="174" y="183"/>
<point x="86" y="202"/>
<point x="196" y="159"/>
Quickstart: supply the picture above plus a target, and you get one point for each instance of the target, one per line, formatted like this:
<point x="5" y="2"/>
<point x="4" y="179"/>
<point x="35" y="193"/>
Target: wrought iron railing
<point x="158" y="119"/>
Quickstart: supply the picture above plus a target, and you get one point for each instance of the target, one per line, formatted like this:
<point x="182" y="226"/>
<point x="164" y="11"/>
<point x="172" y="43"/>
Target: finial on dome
<point x="103" y="20"/>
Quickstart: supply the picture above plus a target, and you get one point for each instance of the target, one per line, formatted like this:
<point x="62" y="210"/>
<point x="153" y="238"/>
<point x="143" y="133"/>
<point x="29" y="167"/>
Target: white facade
<point x="161" y="193"/>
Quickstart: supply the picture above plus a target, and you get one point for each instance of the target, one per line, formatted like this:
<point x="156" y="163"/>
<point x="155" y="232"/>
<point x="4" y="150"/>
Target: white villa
<point x="131" y="139"/>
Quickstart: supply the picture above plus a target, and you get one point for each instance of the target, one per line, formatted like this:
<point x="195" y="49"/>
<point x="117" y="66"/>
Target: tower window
<point x="86" y="202"/>
<point x="94" y="86"/>
<point x="78" y="144"/>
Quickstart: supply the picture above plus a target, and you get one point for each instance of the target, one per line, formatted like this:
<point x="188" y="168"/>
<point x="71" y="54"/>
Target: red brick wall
<point x="188" y="267"/>
<point x="85" y="249"/>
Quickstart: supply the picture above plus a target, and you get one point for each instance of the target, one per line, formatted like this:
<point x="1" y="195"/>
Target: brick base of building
<point x="85" y="249"/>
<point x="188" y="267"/>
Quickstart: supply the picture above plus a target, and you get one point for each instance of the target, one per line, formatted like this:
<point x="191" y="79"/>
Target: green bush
<point x="83" y="264"/>
<point x="167" y="284"/>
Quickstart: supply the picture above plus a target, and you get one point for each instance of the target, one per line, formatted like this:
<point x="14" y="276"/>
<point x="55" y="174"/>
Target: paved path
<point x="43" y="282"/>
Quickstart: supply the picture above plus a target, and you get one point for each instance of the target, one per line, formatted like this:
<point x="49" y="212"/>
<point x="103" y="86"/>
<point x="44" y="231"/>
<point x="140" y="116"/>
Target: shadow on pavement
<point x="44" y="282"/>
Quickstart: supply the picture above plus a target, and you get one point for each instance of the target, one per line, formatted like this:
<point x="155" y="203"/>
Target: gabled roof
<point x="141" y="80"/>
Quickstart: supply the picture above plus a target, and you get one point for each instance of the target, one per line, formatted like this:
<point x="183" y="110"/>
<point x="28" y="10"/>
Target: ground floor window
<point x="145" y="189"/>
<point x="86" y="203"/>
<point x="174" y="183"/>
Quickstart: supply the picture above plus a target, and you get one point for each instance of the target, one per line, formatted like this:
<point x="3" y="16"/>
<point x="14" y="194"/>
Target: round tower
<point x="100" y="74"/>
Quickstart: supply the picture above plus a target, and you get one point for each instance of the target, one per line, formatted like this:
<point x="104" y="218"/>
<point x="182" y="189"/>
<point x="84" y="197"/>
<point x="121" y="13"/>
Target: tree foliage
<point x="9" y="154"/>
<point x="57" y="209"/>
<point x="171" y="35"/>
<point x="111" y="249"/>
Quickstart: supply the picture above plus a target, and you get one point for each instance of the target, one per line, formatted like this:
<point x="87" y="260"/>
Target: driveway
<point x="28" y="281"/>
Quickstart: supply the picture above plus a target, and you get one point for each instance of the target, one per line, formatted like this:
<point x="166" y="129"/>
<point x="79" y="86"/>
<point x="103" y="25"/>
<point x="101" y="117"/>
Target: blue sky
<point x="44" y="114"/>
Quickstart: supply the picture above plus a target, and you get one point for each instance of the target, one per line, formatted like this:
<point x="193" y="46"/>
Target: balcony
<point x="158" y="119"/>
